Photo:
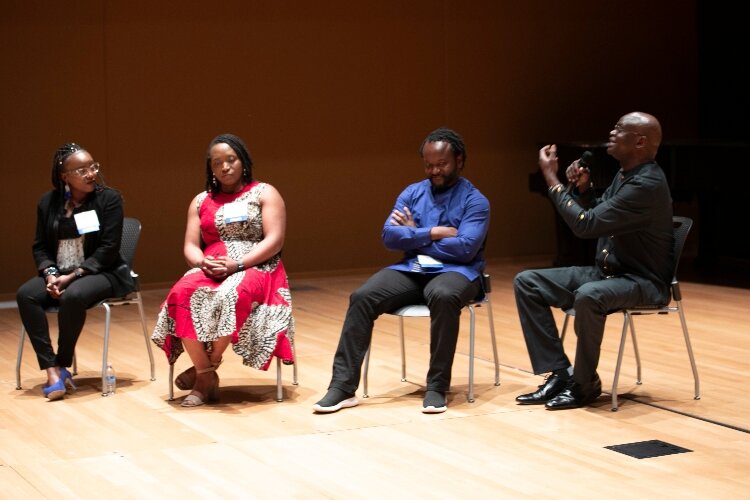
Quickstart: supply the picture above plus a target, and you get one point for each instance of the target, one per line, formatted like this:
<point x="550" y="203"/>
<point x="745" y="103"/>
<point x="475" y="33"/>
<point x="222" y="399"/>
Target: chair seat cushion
<point x="412" y="311"/>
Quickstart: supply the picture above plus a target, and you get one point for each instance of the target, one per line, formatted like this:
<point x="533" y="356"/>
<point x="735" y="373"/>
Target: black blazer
<point x="633" y="223"/>
<point x="101" y="249"/>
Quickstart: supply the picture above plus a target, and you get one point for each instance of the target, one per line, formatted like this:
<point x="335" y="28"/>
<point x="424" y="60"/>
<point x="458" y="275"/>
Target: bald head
<point x="647" y="126"/>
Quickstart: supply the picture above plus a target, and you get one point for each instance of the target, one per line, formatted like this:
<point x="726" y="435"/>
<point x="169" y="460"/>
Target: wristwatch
<point x="240" y="266"/>
<point x="51" y="271"/>
<point x="79" y="273"/>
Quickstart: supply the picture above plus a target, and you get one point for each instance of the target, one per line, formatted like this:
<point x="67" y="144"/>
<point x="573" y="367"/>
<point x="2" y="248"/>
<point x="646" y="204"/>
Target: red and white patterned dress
<point x="254" y="306"/>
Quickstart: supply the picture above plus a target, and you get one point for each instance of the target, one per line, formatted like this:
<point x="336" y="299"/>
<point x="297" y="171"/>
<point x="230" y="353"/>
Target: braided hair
<point x="240" y="150"/>
<point x="443" y="134"/>
<point x="62" y="154"/>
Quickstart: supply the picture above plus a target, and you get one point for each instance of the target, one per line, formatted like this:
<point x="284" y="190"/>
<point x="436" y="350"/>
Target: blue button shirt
<point x="463" y="207"/>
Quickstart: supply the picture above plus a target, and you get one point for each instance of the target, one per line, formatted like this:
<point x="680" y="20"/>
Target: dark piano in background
<point x="709" y="182"/>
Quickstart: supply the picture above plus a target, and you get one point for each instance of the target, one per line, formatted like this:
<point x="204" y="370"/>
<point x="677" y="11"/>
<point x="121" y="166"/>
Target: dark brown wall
<point x="333" y="99"/>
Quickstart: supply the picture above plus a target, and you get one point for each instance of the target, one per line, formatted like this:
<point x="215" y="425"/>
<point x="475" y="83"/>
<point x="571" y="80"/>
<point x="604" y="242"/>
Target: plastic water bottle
<point x="110" y="381"/>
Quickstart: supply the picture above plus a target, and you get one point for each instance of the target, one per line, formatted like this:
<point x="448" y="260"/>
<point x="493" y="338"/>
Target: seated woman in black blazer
<point x="78" y="262"/>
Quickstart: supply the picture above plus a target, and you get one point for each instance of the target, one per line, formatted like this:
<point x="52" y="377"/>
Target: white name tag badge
<point x="235" y="212"/>
<point x="87" y="222"/>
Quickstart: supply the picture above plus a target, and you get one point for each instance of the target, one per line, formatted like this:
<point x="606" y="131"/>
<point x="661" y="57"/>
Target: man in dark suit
<point x="634" y="260"/>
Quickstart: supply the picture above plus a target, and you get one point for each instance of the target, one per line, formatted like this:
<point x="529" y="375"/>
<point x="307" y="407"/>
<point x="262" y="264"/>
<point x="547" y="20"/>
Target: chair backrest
<point x="486" y="283"/>
<point x="486" y="288"/>
<point x="682" y="227"/>
<point x="131" y="232"/>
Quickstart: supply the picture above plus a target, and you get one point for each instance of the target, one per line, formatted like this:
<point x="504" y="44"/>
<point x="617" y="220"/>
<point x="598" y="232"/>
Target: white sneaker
<point x="434" y="402"/>
<point x="333" y="401"/>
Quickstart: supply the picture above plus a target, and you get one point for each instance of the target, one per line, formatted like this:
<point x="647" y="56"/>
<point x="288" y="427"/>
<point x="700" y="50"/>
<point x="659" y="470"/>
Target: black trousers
<point x="591" y="294"/>
<point x="33" y="300"/>
<point x="444" y="293"/>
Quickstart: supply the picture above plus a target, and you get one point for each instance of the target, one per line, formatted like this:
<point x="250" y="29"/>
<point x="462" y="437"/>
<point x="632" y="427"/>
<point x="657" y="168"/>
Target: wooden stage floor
<point x="137" y="444"/>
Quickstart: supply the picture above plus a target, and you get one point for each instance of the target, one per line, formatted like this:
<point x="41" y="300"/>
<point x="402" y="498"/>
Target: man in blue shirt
<point x="440" y="224"/>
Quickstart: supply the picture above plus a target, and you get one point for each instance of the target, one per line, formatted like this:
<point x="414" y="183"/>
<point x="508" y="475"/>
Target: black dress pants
<point x="591" y="295"/>
<point x="444" y="293"/>
<point x="33" y="300"/>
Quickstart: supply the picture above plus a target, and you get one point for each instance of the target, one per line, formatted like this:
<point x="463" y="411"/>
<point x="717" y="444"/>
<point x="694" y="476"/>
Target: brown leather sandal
<point x="196" y="398"/>
<point x="186" y="380"/>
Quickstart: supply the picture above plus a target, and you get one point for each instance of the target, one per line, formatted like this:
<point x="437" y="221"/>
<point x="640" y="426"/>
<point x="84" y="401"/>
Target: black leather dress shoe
<point x="576" y="395"/>
<point x="548" y="390"/>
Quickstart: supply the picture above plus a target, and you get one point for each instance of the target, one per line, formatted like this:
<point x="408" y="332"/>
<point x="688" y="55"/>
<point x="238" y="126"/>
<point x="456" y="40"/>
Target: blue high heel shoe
<point x="67" y="378"/>
<point x="55" y="391"/>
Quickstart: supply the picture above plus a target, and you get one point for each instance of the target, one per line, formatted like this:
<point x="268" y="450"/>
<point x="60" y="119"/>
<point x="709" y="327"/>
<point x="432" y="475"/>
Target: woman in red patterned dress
<point x="237" y="289"/>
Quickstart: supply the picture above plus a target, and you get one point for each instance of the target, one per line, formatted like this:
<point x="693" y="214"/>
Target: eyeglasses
<point x="621" y="130"/>
<point x="83" y="171"/>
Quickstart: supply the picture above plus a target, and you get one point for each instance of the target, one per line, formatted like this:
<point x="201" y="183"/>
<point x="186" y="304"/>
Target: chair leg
<point x="638" y="379"/>
<point x="146" y="337"/>
<point x="294" y="366"/>
<point x="279" y="388"/>
<point x="365" y="370"/>
<point x="105" y="350"/>
<point x="366" y="367"/>
<point x="472" y="319"/>
<point x="19" y="356"/>
<point x="620" y="351"/>
<point x="279" y="384"/>
<point x="295" y="380"/>
<point x="171" y="382"/>
<point x="403" y="349"/>
<point x="494" y="342"/>
<point x="690" y="351"/>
